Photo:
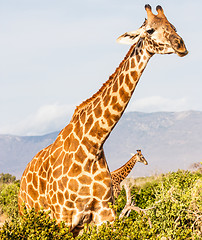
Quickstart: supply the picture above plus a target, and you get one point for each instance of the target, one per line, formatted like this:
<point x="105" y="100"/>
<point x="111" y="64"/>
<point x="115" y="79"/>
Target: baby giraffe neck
<point x="121" y="173"/>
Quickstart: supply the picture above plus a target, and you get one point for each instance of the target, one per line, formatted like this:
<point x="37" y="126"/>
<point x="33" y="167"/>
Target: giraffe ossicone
<point x="71" y="177"/>
<point x="121" y="173"/>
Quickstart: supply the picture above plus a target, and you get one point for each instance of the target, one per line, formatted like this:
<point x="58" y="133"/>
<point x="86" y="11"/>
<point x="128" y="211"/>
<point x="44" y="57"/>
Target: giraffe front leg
<point x="103" y="214"/>
<point x="103" y="198"/>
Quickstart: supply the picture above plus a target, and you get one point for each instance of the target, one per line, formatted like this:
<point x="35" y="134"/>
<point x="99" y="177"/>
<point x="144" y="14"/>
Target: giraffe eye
<point x="150" y="31"/>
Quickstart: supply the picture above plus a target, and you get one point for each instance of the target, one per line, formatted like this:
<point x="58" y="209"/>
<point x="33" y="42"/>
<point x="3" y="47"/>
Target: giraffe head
<point x="158" y="34"/>
<point x="140" y="157"/>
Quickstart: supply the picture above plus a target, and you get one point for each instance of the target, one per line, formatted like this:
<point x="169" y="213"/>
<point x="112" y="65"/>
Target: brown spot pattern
<point x="123" y="95"/>
<point x="106" y="100"/>
<point x="54" y="199"/>
<point x="128" y="82"/>
<point x="102" y="162"/>
<point x="95" y="205"/>
<point x="78" y="130"/>
<point x="101" y="176"/>
<point x="88" y="123"/>
<point x="81" y="202"/>
<point x="88" y="166"/>
<point x="132" y="63"/>
<point x="114" y="100"/>
<point x="23" y="183"/>
<point x="90" y="145"/>
<point x="57" y="162"/>
<point x="37" y="165"/>
<point x="67" y="142"/>
<point x="29" y="177"/>
<point x="98" y="111"/>
<point x="64" y="181"/>
<point x="134" y="75"/>
<point x="121" y="78"/>
<point x="127" y="66"/>
<point x="96" y="101"/>
<point x="67" y="130"/>
<point x="74" y="145"/>
<point x="57" y="173"/>
<point x="66" y="164"/>
<point x="80" y="155"/>
<point x="117" y="107"/>
<point x="110" y="117"/>
<point x="140" y="65"/>
<point x="85" y="180"/>
<point x="98" y="190"/>
<point x="73" y="185"/>
<point x="108" y="194"/>
<point x="84" y="191"/>
<point x="69" y="204"/>
<point x="97" y="131"/>
<point x="75" y="170"/>
<point x="32" y="192"/>
<point x="95" y="167"/>
<point x="42" y="185"/>
<point x="66" y="194"/>
<point x="73" y="197"/>
<point x="107" y="182"/>
<point x="137" y="58"/>
<point x="83" y="117"/>
<point x="115" y="86"/>
<point x="37" y="207"/>
<point x="60" y="198"/>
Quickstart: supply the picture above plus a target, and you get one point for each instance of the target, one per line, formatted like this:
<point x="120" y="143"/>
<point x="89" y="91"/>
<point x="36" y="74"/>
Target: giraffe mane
<point x="87" y="101"/>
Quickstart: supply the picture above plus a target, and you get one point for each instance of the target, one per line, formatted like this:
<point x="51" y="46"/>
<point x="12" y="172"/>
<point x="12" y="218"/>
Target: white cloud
<point x="47" y="119"/>
<point x="158" y="103"/>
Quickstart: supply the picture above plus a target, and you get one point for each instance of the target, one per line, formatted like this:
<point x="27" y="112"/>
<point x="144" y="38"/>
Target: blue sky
<point x="55" y="54"/>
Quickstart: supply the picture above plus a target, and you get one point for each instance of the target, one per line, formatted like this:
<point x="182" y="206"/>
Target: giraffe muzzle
<point x="178" y="45"/>
<point x="182" y="54"/>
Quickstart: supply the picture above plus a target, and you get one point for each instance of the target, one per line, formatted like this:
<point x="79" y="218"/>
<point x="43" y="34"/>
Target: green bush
<point x="124" y="229"/>
<point x="9" y="199"/>
<point x="173" y="210"/>
<point x="33" y="226"/>
<point x="7" y="178"/>
<point x="174" y="203"/>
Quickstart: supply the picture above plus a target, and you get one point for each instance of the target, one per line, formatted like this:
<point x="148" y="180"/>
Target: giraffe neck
<point x="97" y="116"/>
<point x="121" y="173"/>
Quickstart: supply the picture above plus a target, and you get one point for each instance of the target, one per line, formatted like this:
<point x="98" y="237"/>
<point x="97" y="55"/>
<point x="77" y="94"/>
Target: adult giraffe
<point x="71" y="177"/>
<point x="121" y="173"/>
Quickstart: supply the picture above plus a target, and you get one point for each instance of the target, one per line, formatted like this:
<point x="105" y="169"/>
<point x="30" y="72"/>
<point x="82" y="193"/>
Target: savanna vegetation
<point x="171" y="203"/>
<point x="9" y="188"/>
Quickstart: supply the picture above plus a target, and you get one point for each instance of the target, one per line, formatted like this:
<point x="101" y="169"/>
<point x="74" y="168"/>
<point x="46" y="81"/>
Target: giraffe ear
<point x="129" y="37"/>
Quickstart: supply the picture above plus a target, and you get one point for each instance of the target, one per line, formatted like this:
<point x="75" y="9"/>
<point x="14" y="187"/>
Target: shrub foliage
<point x="173" y="210"/>
<point x="7" y="178"/>
<point x="9" y="188"/>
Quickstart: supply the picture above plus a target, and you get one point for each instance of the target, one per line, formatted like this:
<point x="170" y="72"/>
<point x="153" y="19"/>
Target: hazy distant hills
<point x="168" y="141"/>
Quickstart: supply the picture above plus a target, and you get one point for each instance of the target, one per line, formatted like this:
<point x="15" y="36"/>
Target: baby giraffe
<point x="121" y="173"/>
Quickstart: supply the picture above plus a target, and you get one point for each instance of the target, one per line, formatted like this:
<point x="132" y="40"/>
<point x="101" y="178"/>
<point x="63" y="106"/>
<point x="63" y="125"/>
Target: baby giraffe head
<point x="157" y="33"/>
<point x="140" y="157"/>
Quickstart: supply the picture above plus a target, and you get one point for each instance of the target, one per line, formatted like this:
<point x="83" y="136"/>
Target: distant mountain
<point x="168" y="140"/>
<point x="17" y="151"/>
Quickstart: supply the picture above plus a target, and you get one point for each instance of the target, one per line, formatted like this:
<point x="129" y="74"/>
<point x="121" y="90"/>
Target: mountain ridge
<point x="168" y="140"/>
